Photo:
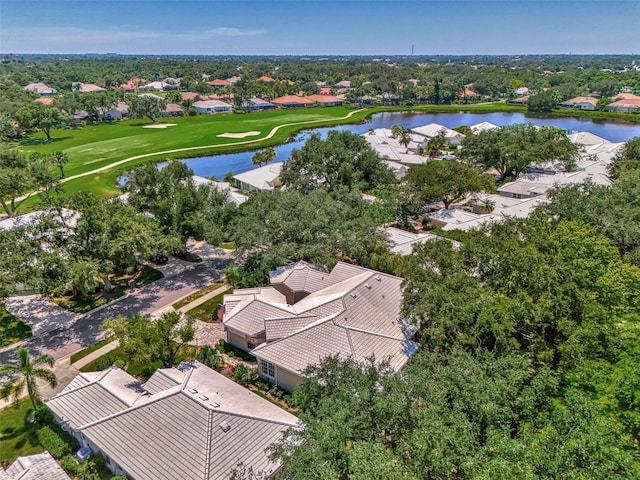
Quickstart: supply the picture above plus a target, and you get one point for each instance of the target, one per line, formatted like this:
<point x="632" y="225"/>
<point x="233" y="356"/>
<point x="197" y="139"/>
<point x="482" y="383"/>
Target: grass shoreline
<point x="123" y="140"/>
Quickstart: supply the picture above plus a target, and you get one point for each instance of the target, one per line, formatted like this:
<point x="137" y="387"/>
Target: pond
<point x="219" y="165"/>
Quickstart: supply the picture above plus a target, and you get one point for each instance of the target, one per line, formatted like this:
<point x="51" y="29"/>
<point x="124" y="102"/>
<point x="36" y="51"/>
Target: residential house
<point x="190" y="96"/>
<point x="233" y="80"/>
<point x="402" y="242"/>
<point x="309" y="314"/>
<point x="325" y="90"/>
<point x="173" y="110"/>
<point x="266" y="79"/>
<point x="158" y="86"/>
<point x="116" y="112"/>
<point x="625" y="105"/>
<point x="482" y="126"/>
<point x="41" y="466"/>
<point x="523" y="100"/>
<point x="522" y="91"/>
<point x="258" y="104"/>
<point x="187" y="423"/>
<point x="265" y="178"/>
<point x="212" y="106"/>
<point x="469" y="94"/>
<point x="292" y="101"/>
<point x="173" y="81"/>
<point x="518" y="199"/>
<point x="44" y="100"/>
<point x="41" y="88"/>
<point x="218" y="82"/>
<point x="343" y="84"/>
<point x="580" y="103"/>
<point x="233" y="194"/>
<point x="86" y="87"/>
<point x="433" y="130"/>
<point x="133" y="84"/>
<point x="325" y="100"/>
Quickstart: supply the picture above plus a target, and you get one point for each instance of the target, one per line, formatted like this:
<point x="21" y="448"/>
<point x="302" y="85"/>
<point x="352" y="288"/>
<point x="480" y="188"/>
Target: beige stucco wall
<point x="286" y="379"/>
<point x="236" y="340"/>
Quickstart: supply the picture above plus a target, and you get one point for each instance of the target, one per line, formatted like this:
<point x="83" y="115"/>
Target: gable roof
<point x="323" y="98"/>
<point x="433" y="130"/>
<point x="219" y="82"/>
<point x="402" y="242"/>
<point x="173" y="429"/>
<point x="41" y="88"/>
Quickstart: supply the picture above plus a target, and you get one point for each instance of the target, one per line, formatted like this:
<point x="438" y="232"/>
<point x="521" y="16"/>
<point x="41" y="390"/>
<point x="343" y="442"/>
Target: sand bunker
<point x="160" y="125"/>
<point x="238" y="135"/>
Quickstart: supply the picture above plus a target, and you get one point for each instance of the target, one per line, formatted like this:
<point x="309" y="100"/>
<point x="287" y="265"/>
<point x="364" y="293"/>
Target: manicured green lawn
<point x="204" y="310"/>
<point x="144" y="371"/>
<point x="196" y="295"/>
<point x="17" y="436"/>
<point x="86" y="351"/>
<point x="12" y="329"/>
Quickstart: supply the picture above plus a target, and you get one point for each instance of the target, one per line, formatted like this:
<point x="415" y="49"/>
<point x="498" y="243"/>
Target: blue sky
<point x="308" y="27"/>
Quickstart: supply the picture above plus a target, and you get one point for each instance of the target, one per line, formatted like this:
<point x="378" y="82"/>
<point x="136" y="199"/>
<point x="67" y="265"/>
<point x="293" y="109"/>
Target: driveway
<point x="85" y="329"/>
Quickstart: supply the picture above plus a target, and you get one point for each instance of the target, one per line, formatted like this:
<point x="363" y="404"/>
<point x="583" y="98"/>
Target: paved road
<point x="86" y="331"/>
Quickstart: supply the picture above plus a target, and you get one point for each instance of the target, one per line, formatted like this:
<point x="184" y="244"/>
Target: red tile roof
<point x="325" y="91"/>
<point x="264" y="78"/>
<point x="44" y="100"/>
<point x="633" y="102"/>
<point x="190" y="96"/>
<point x="219" y="82"/>
<point x="287" y="99"/>
<point x="323" y="98"/>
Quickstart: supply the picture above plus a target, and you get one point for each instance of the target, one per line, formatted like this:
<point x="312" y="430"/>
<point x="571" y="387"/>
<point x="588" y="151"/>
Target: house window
<point x="268" y="369"/>
<point x="250" y="345"/>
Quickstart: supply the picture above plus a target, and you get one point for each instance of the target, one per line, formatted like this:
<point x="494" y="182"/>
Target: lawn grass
<point x="147" y="275"/>
<point x="12" y="329"/>
<point x="17" y="436"/>
<point x="86" y="351"/>
<point x="140" y="370"/>
<point x="196" y="295"/>
<point x="205" y="310"/>
<point x="228" y="245"/>
<point x="103" y="145"/>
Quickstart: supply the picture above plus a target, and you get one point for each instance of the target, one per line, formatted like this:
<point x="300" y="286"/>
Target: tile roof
<point x="265" y="78"/>
<point x="261" y="178"/>
<point x="218" y="82"/>
<point x="44" y="100"/>
<point x="323" y="98"/>
<point x="291" y="100"/>
<point x="41" y="88"/>
<point x="402" y="242"/>
<point x="41" y="466"/>
<point x="177" y="431"/>
<point x="351" y="311"/>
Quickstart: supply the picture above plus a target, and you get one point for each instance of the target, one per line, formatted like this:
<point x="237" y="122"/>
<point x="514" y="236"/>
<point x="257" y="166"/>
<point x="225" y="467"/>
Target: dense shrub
<point x="53" y="442"/>
<point x="245" y="375"/>
<point x="43" y="416"/>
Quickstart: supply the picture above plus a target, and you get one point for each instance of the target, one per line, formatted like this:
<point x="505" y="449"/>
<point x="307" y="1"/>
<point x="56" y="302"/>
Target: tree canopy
<point x="511" y="149"/>
<point x="343" y="160"/>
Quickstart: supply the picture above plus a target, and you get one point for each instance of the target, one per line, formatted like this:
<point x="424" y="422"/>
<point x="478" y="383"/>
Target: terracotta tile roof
<point x="634" y="102"/>
<point x="323" y="99"/>
<point x="291" y="100"/>
<point x="219" y="82"/>
<point x="44" y="100"/>
<point x="173" y="108"/>
<point x="190" y="95"/>
<point x="325" y="91"/>
<point x="266" y="79"/>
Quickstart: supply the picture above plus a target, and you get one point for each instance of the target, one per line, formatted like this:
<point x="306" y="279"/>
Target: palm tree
<point x="405" y="139"/>
<point x="25" y="373"/>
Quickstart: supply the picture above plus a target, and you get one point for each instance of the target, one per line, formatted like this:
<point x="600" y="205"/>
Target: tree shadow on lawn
<point x="28" y="142"/>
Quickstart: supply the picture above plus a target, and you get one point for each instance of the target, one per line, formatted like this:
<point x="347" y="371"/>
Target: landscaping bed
<point x="205" y="310"/>
<point x="196" y="295"/>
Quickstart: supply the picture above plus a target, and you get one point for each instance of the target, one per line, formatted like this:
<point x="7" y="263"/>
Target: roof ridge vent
<point x="354" y="294"/>
<point x="193" y="391"/>
<point x="367" y="286"/>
